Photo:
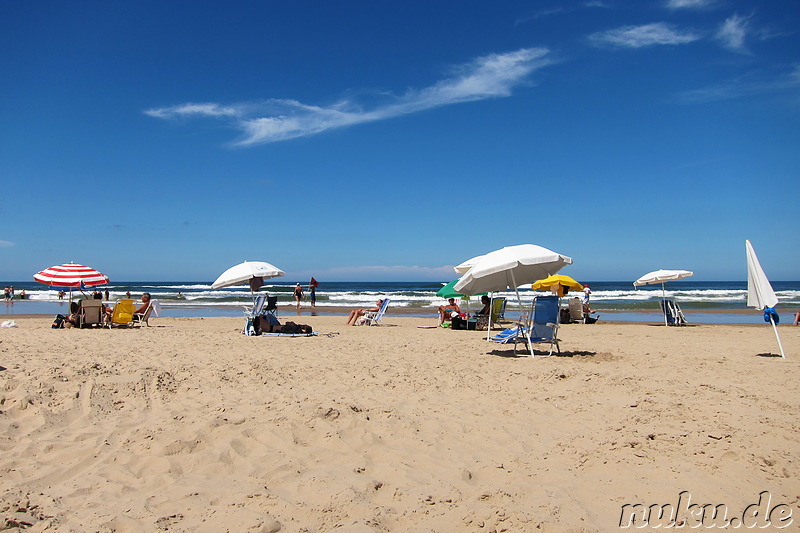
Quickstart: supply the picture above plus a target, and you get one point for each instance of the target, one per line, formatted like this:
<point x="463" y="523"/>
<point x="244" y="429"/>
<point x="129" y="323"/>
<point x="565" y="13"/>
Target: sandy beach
<point x="190" y="426"/>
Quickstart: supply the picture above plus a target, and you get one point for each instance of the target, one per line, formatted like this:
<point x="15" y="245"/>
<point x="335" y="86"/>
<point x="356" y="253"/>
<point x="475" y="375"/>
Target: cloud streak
<point x="752" y="85"/>
<point x="689" y="4"/>
<point x="6" y="244"/>
<point x="657" y="33"/>
<point x="491" y="76"/>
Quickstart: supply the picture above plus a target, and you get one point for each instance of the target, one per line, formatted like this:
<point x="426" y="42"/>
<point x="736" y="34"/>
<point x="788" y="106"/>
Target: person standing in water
<point x="298" y="294"/>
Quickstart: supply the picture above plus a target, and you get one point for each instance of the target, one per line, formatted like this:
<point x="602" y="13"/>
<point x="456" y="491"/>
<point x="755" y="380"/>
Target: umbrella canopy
<point x="70" y="275"/>
<point x="557" y="279"/>
<point x="466" y="265"/>
<point x="447" y="291"/>
<point x="249" y="272"/>
<point x="759" y="291"/>
<point x="510" y="267"/>
<point x="662" y="276"/>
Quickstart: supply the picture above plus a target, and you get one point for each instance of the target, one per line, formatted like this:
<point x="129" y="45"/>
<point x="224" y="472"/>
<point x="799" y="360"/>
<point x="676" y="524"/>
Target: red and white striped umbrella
<point x="70" y="275"/>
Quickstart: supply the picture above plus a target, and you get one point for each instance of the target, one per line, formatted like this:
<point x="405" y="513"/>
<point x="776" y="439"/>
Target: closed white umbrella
<point x="759" y="290"/>
<point x="662" y="276"/>
<point x="249" y="272"/>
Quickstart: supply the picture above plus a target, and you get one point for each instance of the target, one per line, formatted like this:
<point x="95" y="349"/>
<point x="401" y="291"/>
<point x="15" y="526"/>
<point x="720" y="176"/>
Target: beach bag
<point x="58" y="323"/>
<point x="458" y="323"/>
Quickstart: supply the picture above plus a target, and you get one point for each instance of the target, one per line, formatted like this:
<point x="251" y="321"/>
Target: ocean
<point x="619" y="300"/>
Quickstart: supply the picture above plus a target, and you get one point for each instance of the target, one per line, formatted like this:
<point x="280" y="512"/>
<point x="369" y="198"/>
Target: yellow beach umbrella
<point x="557" y="279"/>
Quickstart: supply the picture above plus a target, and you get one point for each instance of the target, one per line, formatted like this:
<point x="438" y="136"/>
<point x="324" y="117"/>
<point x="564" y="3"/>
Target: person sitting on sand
<point x="487" y="306"/>
<point x="355" y="314"/>
<point x="797" y="318"/>
<point x="446" y="311"/>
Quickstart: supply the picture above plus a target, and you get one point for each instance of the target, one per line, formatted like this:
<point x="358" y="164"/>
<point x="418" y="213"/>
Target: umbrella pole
<point x="778" y="337"/>
<point x="489" y="322"/>
<point x="664" y="299"/>
<point x="519" y="303"/>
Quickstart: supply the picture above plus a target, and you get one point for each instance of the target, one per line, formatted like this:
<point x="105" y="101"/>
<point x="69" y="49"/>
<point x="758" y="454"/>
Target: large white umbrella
<point x="462" y="268"/>
<point x="249" y="272"/>
<point x="759" y="290"/>
<point x="510" y="267"/>
<point x="662" y="276"/>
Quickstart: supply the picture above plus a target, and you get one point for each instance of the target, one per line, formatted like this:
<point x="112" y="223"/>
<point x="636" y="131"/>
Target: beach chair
<point x="272" y="306"/>
<point x="576" y="310"/>
<point x="673" y="316"/>
<point x="374" y="318"/>
<point x="90" y="313"/>
<point x="144" y="318"/>
<point x="498" y="310"/>
<point x="123" y="313"/>
<point x="509" y="335"/>
<point x="542" y="326"/>
<point x="251" y="314"/>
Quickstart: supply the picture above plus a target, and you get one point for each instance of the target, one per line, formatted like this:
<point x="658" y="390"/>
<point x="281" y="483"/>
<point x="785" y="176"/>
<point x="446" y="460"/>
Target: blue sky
<point x="391" y="140"/>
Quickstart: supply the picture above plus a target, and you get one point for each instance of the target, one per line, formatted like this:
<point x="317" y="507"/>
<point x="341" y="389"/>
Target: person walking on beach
<point x="586" y="292"/>
<point x="298" y="294"/>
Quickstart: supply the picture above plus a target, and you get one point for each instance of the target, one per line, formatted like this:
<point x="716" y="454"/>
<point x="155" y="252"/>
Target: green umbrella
<point x="448" y="292"/>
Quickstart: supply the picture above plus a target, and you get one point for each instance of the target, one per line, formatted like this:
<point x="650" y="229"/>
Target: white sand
<point x="190" y="426"/>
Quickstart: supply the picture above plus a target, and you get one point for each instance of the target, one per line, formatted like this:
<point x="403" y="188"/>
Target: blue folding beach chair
<point x="673" y="316"/>
<point x="252" y="313"/>
<point x="373" y="318"/>
<point x="542" y="327"/>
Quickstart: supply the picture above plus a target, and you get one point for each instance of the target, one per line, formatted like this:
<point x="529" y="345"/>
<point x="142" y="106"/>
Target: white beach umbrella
<point x="759" y="290"/>
<point x="510" y="267"/>
<point x="662" y="276"/>
<point x="462" y="268"/>
<point x="249" y="272"/>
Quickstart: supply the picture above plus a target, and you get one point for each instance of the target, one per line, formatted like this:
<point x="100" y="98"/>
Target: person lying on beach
<point x="446" y="311"/>
<point x="355" y="314"/>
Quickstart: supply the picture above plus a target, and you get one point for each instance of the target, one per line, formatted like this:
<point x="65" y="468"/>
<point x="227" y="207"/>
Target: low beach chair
<point x="123" y="313"/>
<point x="498" y="309"/>
<point x="272" y="306"/>
<point x="576" y="310"/>
<point x="144" y="318"/>
<point x="374" y="318"/>
<point x="90" y="313"/>
<point x="673" y="316"/>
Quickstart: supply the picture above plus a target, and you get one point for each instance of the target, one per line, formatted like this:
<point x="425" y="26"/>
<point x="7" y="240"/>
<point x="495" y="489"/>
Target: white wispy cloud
<point x="209" y="110"/>
<point x="733" y="32"/>
<point x="6" y="244"/>
<point x="689" y="4"/>
<point x="657" y="33"/>
<point x="491" y="76"/>
<point x="754" y="84"/>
